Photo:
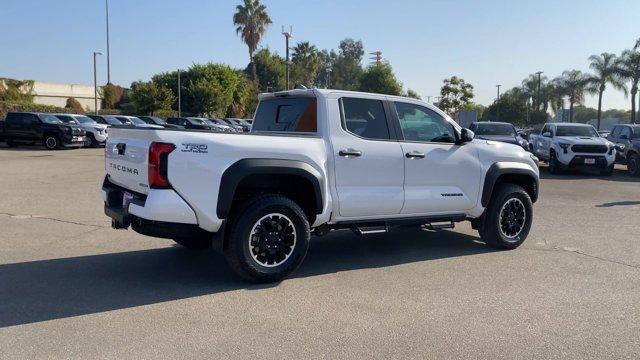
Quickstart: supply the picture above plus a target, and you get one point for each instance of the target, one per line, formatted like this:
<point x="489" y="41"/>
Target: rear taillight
<point x="158" y="164"/>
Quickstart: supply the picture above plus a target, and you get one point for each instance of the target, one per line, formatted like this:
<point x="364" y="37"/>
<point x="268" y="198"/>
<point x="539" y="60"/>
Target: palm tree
<point x="630" y="71"/>
<point x="573" y="85"/>
<point x="530" y="86"/>
<point x="251" y="21"/>
<point x="305" y="61"/>
<point x="606" y="71"/>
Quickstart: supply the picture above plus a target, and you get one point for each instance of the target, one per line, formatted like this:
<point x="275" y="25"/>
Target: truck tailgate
<point x="126" y="157"/>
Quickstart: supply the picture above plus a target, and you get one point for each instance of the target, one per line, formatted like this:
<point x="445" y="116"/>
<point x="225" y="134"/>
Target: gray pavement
<point x="71" y="287"/>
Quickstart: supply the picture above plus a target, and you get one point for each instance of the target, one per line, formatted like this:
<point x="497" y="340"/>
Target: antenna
<point x="377" y="56"/>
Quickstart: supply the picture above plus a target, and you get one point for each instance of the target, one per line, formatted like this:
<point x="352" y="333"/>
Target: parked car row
<point x="56" y="131"/>
<point x="570" y="145"/>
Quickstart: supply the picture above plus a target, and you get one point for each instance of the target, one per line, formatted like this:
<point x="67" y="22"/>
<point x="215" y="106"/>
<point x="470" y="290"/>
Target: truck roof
<point x="569" y="124"/>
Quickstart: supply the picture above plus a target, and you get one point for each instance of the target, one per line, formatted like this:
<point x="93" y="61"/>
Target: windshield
<point x="85" y="119"/>
<point x="197" y="121"/>
<point x="113" y="121"/>
<point x="568" y="130"/>
<point x="137" y="121"/>
<point x="124" y="120"/>
<point x="50" y="119"/>
<point x="495" y="129"/>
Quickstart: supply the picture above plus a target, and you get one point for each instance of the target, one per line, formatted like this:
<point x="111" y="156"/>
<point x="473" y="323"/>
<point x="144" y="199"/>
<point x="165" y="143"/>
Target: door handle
<point x="350" y="152"/>
<point x="415" y="155"/>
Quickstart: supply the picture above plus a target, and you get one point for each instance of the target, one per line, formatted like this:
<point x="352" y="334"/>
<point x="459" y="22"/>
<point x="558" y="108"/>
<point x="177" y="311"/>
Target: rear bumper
<point x="159" y="206"/>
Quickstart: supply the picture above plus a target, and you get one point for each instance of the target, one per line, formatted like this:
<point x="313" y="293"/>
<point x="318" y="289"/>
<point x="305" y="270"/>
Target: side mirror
<point x="466" y="136"/>
<point x="546" y="134"/>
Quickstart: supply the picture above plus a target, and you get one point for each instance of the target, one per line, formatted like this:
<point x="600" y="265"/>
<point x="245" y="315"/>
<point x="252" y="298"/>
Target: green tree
<point x="326" y="60"/>
<point x="531" y="85"/>
<point x="251" y="21"/>
<point x="270" y="68"/>
<point x="454" y="95"/>
<point x="605" y="71"/>
<point x="347" y="67"/>
<point x="511" y="106"/>
<point x="147" y="97"/>
<point x="630" y="71"/>
<point x="572" y="84"/>
<point x="583" y="114"/>
<point x="245" y="98"/>
<point x="16" y="90"/>
<point x="379" y="78"/>
<point x="74" y="104"/>
<point x="209" y="89"/>
<point x="111" y="96"/>
<point x="412" y="94"/>
<point x="305" y="63"/>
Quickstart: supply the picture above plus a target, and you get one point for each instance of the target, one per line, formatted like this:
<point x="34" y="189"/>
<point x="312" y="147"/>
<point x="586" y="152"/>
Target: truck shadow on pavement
<point x="60" y="288"/>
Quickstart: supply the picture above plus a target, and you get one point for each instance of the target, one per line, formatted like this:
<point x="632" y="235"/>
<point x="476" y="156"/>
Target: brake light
<point x="158" y="164"/>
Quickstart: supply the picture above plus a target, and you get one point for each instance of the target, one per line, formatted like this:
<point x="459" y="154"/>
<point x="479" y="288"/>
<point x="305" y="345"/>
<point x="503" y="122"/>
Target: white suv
<point x="96" y="133"/>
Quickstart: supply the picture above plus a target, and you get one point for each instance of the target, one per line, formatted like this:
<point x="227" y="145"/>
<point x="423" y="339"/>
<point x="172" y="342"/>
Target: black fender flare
<point x="239" y="170"/>
<point x="507" y="168"/>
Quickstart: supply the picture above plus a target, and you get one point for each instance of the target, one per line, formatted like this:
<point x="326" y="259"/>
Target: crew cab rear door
<point x="369" y="165"/>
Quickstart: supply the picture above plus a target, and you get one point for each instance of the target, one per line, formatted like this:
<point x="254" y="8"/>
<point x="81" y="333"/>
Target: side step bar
<point x="439" y="225"/>
<point x="370" y="229"/>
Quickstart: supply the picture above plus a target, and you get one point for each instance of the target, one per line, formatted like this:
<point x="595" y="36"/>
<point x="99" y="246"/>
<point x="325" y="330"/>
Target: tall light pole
<point x="95" y="81"/>
<point x="539" y="73"/>
<point x="328" y="77"/>
<point x="108" y="53"/>
<point x="498" y="103"/>
<point x="179" y="95"/>
<point x="288" y="35"/>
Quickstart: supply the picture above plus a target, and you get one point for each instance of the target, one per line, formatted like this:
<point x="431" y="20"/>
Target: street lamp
<point x="539" y="73"/>
<point x="95" y="82"/>
<point x="106" y="4"/>
<point x="179" y="95"/>
<point x="498" y="103"/>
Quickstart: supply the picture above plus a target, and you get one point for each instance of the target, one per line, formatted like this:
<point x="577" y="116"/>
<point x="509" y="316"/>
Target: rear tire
<point x="633" y="166"/>
<point x="51" y="142"/>
<point x="194" y="243"/>
<point x="268" y="239"/>
<point x="508" y="218"/>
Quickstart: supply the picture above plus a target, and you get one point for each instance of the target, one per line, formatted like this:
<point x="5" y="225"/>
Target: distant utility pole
<point x="95" y="82"/>
<point x="539" y="73"/>
<point x="328" y="70"/>
<point x="498" y="103"/>
<point x="377" y="56"/>
<point x="288" y="35"/>
<point x="108" y="53"/>
<point x="179" y="95"/>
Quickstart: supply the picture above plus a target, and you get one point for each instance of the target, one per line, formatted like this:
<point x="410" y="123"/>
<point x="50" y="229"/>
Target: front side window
<point x="287" y="115"/>
<point x="365" y="118"/>
<point x="50" y="119"/>
<point x="419" y="123"/>
<point x="626" y="131"/>
<point x="636" y="132"/>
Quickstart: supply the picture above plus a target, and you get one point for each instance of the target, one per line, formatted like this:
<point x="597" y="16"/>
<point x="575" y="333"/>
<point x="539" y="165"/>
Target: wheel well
<point x="297" y="188"/>
<point x="528" y="183"/>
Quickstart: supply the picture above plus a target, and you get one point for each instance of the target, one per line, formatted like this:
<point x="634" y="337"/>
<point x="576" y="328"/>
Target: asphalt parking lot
<point x="71" y="287"/>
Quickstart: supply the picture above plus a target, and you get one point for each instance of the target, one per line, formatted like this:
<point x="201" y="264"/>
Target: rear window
<point x="286" y="115"/>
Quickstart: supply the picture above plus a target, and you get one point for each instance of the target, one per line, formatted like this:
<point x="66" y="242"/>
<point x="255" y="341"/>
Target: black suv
<point x="189" y="123"/>
<point x="154" y="120"/>
<point x="627" y="140"/>
<point x="36" y="128"/>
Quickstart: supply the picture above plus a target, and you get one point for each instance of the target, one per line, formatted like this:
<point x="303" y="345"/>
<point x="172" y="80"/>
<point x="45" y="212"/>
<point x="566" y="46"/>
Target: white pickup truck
<point x="316" y="160"/>
<point x="570" y="145"/>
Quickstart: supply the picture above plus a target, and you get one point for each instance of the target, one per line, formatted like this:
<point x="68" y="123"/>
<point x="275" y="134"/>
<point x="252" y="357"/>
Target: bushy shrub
<point x="112" y="96"/>
<point x="74" y="104"/>
<point x="6" y="107"/>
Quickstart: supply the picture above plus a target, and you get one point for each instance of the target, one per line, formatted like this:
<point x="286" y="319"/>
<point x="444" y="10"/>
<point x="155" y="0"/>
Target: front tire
<point x="508" y="217"/>
<point x="268" y="239"/>
<point x="633" y="166"/>
<point x="51" y="142"/>
<point x="554" y="164"/>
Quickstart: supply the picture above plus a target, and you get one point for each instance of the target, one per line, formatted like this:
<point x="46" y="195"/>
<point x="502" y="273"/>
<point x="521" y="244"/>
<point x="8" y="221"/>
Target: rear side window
<point x="365" y="118"/>
<point x="287" y="115"/>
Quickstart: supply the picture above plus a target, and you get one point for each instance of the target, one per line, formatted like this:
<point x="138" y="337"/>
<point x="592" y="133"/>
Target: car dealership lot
<point x="71" y="287"/>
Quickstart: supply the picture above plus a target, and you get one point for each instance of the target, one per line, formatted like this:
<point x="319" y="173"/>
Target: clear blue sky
<point x="484" y="42"/>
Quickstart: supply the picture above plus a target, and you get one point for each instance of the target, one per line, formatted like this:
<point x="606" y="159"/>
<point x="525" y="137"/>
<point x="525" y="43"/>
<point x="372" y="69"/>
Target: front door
<point x="440" y="176"/>
<point x="369" y="165"/>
